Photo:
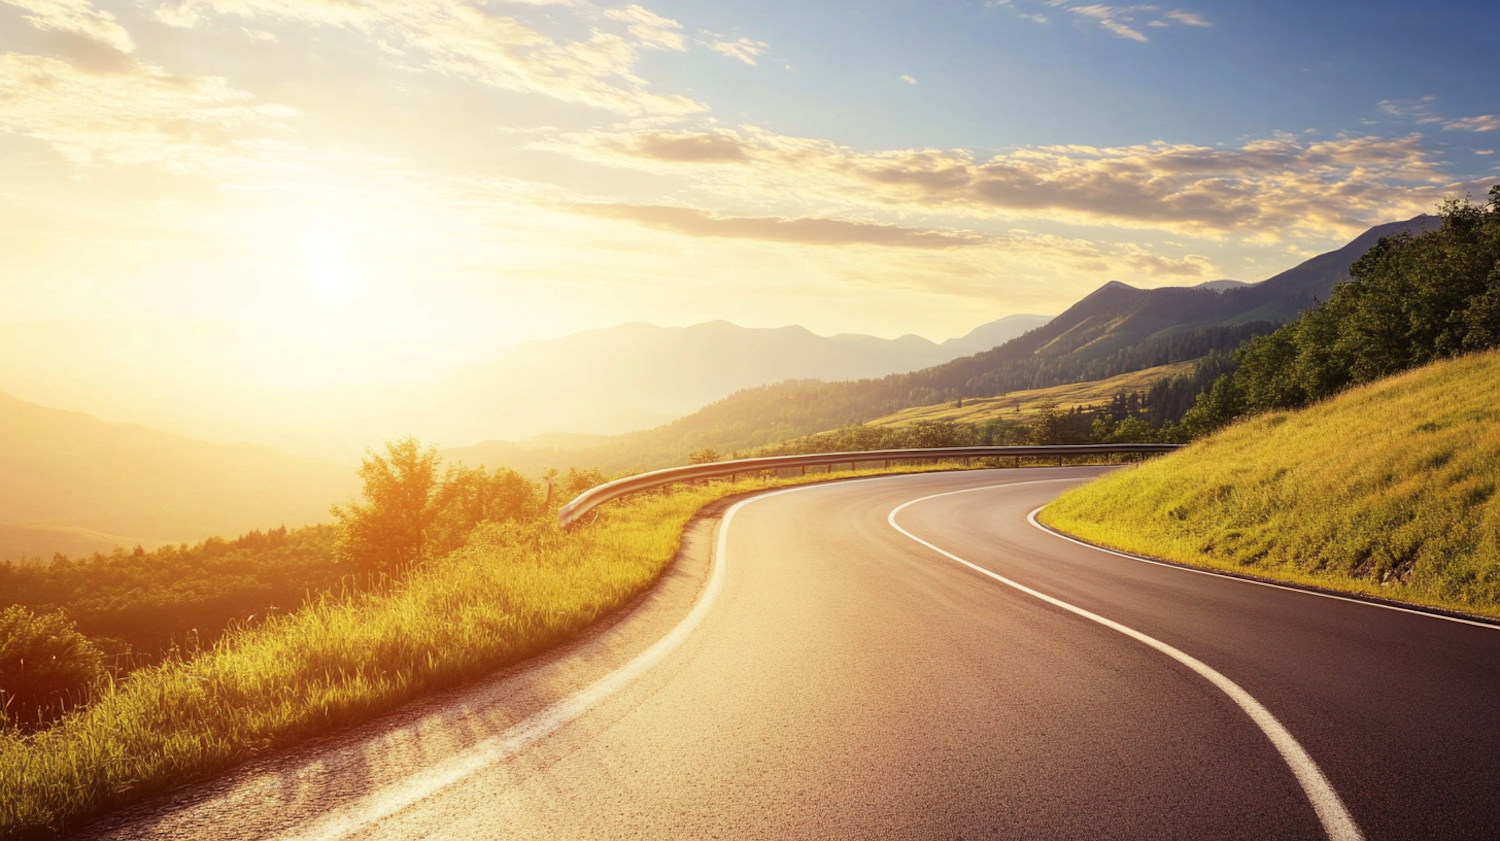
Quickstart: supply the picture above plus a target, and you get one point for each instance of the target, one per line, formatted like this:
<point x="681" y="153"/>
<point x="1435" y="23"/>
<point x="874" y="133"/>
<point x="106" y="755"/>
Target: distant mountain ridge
<point x="633" y="376"/>
<point x="73" y="481"/>
<point x="1114" y="330"/>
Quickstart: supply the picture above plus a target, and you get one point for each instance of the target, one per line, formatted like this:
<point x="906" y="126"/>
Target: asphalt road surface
<point x="818" y="667"/>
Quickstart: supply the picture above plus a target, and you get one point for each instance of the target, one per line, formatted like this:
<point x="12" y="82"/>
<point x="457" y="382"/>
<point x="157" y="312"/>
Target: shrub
<point x="46" y="666"/>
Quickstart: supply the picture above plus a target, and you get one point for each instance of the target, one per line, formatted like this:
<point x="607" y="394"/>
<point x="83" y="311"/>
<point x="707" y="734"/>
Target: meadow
<point x="1386" y="490"/>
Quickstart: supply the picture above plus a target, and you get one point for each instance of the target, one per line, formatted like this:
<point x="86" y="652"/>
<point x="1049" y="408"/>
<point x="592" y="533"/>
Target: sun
<point x="329" y="273"/>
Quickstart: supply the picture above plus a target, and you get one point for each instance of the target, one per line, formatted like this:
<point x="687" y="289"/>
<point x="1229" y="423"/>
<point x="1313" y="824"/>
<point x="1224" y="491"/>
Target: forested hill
<point x="1116" y="329"/>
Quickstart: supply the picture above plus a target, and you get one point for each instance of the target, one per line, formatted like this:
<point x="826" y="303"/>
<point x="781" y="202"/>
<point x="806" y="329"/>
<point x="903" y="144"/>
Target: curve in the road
<point x="382" y="804"/>
<point x="822" y="675"/>
<point x="1332" y="813"/>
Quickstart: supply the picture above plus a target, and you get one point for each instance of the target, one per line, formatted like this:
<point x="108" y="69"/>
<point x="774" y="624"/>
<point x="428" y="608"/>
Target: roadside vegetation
<point x="434" y="617"/>
<point x="1342" y="461"/>
<point x="1387" y="490"/>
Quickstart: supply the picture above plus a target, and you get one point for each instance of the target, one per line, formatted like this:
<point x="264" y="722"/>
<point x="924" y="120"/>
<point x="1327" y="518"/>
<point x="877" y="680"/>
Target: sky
<point x="368" y="189"/>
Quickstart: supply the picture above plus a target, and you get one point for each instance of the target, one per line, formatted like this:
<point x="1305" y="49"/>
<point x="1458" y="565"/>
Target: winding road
<point x="912" y="657"/>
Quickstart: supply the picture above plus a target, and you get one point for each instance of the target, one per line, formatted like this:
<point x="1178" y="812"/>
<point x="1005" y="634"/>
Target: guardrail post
<point x="1059" y="459"/>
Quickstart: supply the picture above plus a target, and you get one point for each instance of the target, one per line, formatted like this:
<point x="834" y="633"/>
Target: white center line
<point x="1337" y="823"/>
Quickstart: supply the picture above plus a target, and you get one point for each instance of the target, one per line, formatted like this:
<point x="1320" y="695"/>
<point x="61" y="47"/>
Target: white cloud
<point x="78" y="17"/>
<point x="907" y="79"/>
<point x="1116" y="19"/>
<point x="1487" y="122"/>
<point x="141" y="115"/>
<point x="743" y="49"/>
<point x="1286" y="187"/>
<point x="472" y="42"/>
<point x="1188" y="18"/>
<point x="652" y="30"/>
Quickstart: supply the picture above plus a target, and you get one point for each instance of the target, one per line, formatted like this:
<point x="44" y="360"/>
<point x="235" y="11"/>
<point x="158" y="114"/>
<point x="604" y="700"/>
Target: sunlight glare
<point x="329" y="273"/>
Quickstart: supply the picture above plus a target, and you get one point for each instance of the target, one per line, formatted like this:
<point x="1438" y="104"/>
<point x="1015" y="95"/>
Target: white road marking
<point x="1031" y="518"/>
<point x="523" y="734"/>
<point x="1338" y="824"/>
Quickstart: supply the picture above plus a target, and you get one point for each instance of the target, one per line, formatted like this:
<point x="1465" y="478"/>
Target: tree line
<point x="1411" y="300"/>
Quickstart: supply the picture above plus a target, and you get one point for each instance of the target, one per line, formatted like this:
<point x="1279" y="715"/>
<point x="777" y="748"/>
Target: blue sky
<point x="990" y="77"/>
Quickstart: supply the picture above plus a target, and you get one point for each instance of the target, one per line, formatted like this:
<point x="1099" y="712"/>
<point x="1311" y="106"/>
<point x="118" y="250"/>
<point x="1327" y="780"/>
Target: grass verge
<point x="1388" y="490"/>
<point x="512" y="592"/>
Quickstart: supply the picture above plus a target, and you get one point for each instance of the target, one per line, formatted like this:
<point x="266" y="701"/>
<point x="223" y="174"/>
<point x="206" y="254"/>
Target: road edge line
<point x="532" y="729"/>
<point x="1337" y="823"/>
<point x="1310" y="590"/>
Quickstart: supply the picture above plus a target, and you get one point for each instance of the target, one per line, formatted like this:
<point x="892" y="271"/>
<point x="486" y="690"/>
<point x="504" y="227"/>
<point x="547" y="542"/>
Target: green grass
<point x="512" y="592"/>
<point x="978" y="409"/>
<point x="1386" y="490"/>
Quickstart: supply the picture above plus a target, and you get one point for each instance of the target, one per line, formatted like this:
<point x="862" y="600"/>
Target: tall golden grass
<point x="513" y="591"/>
<point x="1385" y="490"/>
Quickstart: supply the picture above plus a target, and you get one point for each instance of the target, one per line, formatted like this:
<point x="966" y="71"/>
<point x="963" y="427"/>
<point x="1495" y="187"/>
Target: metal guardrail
<point x="600" y="494"/>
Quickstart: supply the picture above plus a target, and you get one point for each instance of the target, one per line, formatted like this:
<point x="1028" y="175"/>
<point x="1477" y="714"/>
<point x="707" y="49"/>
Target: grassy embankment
<point x="1386" y="490"/>
<point x="1032" y="401"/>
<point x="511" y="592"/>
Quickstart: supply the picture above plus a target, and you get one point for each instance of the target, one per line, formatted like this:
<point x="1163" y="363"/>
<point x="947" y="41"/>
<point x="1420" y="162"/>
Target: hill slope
<point x="70" y="471"/>
<point x="1019" y="404"/>
<point x="1388" y="489"/>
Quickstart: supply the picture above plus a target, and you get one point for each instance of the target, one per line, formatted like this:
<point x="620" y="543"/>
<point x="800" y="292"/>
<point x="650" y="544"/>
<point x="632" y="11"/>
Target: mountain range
<point x="637" y="376"/>
<point x="1114" y="330"/>
<point x="188" y="378"/>
<point x="76" y="484"/>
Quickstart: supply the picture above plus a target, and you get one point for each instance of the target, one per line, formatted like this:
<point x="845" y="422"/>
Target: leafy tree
<point x="1050" y="426"/>
<point x="1215" y="408"/>
<point x="412" y="512"/>
<point x="1412" y="300"/>
<point x="707" y="455"/>
<point x="404" y="497"/>
<point x="46" y="666"/>
<point x="470" y="496"/>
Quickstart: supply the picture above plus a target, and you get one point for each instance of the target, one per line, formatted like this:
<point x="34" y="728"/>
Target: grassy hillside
<point x="1388" y="489"/>
<point x="1024" y="404"/>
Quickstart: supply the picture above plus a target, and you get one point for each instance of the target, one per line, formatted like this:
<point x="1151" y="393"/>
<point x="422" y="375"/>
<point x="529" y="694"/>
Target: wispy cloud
<point x="1118" y="20"/>
<point x="742" y="49"/>
<point x="1486" y="122"/>
<point x="1189" y="18"/>
<point x="907" y="79"/>
<point x="77" y="17"/>
<point x="1284" y="187"/>
<point x="139" y="114"/>
<point x="802" y="231"/>
<point x="652" y="29"/>
<point x="473" y="42"/>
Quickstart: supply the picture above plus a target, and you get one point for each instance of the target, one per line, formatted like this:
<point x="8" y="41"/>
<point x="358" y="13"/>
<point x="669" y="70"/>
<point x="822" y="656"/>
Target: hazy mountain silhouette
<point x="1114" y="330"/>
<point x="73" y="482"/>
<point x="635" y="376"/>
